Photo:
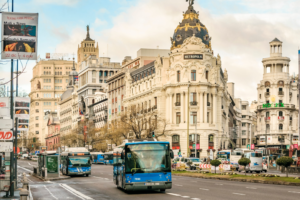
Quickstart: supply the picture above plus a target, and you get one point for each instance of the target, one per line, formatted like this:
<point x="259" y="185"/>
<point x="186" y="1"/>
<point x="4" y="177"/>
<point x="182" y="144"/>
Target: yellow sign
<point x="273" y="98"/>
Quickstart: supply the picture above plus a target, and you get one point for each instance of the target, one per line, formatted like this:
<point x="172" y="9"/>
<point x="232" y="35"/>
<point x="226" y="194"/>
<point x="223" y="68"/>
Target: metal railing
<point x="177" y="103"/>
<point x="280" y="93"/>
<point x="194" y="103"/>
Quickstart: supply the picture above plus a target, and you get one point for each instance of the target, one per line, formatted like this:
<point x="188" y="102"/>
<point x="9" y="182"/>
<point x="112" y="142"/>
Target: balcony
<point x="267" y="94"/>
<point x="280" y="130"/>
<point x="194" y="103"/>
<point x="155" y="107"/>
<point x="267" y="119"/>
<point x="208" y="103"/>
<point x="280" y="93"/>
<point x="177" y="103"/>
<point x="280" y="118"/>
<point x="149" y="109"/>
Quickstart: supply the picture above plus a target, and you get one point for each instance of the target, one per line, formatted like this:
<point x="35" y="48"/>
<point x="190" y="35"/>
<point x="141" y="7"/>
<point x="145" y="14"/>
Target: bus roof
<point x="77" y="149"/>
<point x="147" y="142"/>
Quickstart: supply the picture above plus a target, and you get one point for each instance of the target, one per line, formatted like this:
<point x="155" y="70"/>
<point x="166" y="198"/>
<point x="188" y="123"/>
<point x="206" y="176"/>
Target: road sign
<point x="6" y="123"/>
<point x="6" y="146"/>
<point x="6" y="135"/>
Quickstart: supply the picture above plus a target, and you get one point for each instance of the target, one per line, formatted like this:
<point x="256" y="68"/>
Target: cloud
<point x="242" y="40"/>
<point x="103" y="10"/>
<point x="99" y="22"/>
<point x="57" y="2"/>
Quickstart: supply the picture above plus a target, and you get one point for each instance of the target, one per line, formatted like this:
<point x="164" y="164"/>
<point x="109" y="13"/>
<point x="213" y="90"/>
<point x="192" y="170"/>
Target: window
<point x="36" y="125"/>
<point x="243" y="116"/>
<point x="211" y="142"/>
<point x="178" y="76"/>
<point x="268" y="128"/>
<point x="47" y="103"/>
<point x="268" y="90"/>
<point x="37" y="118"/>
<point x="267" y="102"/>
<point x="178" y="97"/>
<point x="243" y="124"/>
<point x="207" y="117"/>
<point x="36" y="103"/>
<point x="260" y="96"/>
<point x="67" y="80"/>
<point x="280" y="113"/>
<point x="193" y="97"/>
<point x="243" y="142"/>
<point x="155" y="101"/>
<point x="267" y="114"/>
<point x="178" y="118"/>
<point x="193" y="119"/>
<point x="206" y="75"/>
<point x="57" y="95"/>
<point x="55" y="103"/>
<point x="280" y="89"/>
<point x="47" y="95"/>
<point x="37" y="110"/>
<point x="193" y="75"/>
<point x="243" y="132"/>
<point x="244" y="107"/>
<point x="280" y="126"/>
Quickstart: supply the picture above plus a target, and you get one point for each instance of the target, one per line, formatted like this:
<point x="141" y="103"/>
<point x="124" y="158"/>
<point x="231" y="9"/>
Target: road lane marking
<point x="75" y="192"/>
<point x="238" y="194"/>
<point x="185" y="197"/>
<point x="195" y="198"/>
<point x="179" y="185"/>
<point x="32" y="165"/>
<point x="219" y="184"/>
<point x="24" y="168"/>
<point x="203" y="189"/>
<point x="174" y="194"/>
<point x="294" y="192"/>
<point x="50" y="192"/>
<point x="251" y="188"/>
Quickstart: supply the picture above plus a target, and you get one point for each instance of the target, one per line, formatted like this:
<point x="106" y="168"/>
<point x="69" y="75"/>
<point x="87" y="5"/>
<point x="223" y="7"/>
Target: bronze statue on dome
<point x="191" y="2"/>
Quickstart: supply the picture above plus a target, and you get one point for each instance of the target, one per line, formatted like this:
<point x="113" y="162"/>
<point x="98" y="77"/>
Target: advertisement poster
<point x="19" y="35"/>
<point x="22" y="107"/>
<point x="52" y="164"/>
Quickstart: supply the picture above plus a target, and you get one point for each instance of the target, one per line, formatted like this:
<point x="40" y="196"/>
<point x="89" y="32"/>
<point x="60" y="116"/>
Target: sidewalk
<point x="15" y="197"/>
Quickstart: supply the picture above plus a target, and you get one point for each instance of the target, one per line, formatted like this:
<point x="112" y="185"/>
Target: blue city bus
<point x="97" y="157"/>
<point x="143" y="166"/>
<point x="224" y="156"/>
<point x="76" y="161"/>
<point x="108" y="158"/>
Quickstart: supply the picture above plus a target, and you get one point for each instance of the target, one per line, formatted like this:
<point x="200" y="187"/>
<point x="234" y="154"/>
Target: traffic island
<point x="61" y="177"/>
<point x="291" y="181"/>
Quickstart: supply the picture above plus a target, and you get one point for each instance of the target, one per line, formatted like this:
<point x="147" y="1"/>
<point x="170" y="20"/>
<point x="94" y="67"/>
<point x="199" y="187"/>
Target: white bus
<point x="256" y="162"/>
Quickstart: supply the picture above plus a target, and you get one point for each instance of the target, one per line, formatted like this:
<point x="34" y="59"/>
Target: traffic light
<point x="153" y="134"/>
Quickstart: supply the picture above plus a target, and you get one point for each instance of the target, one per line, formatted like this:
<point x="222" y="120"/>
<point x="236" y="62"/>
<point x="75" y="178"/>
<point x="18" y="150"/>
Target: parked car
<point x="191" y="163"/>
<point x="34" y="157"/>
<point x="24" y="156"/>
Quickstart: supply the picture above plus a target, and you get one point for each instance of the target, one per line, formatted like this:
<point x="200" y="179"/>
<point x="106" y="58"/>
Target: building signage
<point x="22" y="108"/>
<point x="4" y="102"/>
<point x="273" y="105"/>
<point x="193" y="56"/>
<point x="4" y="112"/>
<point x="6" y="123"/>
<point x="6" y="146"/>
<point x="6" y="135"/>
<point x="19" y="35"/>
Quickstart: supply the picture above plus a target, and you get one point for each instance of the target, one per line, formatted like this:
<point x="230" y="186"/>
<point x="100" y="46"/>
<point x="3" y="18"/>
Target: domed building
<point x="185" y="93"/>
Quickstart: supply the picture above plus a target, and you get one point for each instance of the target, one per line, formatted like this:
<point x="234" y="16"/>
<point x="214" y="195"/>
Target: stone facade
<point x="277" y="105"/>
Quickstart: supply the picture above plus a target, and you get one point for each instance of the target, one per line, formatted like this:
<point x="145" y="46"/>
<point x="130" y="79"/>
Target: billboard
<point x="22" y="107"/>
<point x="19" y="35"/>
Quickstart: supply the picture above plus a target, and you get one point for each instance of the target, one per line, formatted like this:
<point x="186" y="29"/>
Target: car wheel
<point x="162" y="190"/>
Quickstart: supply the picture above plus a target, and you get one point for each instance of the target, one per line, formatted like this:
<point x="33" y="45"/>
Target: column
<point x="181" y="108"/>
<point x="167" y="107"/>
<point x="170" y="107"/>
<point x="270" y="48"/>
<point x="215" y="109"/>
<point x="200" y="108"/>
<point x="205" y="107"/>
<point x="186" y="107"/>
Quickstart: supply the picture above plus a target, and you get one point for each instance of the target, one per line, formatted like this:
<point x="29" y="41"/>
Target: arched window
<point x="280" y="126"/>
<point x="211" y="142"/>
<point x="280" y="113"/>
<point x="267" y="84"/>
<point x="175" y="142"/>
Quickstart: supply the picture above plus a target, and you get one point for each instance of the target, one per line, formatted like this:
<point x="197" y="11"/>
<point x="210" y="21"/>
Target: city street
<point x="100" y="186"/>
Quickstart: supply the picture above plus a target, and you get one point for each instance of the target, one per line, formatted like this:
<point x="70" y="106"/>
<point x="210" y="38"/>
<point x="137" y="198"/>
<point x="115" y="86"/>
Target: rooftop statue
<point x="191" y="2"/>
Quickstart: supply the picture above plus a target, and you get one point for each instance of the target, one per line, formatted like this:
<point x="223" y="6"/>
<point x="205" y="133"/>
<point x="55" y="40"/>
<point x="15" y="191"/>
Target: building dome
<point x="189" y="26"/>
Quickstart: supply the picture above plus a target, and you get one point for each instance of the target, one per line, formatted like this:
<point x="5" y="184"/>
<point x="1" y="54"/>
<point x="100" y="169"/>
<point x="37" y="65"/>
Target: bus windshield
<point x="79" y="161"/>
<point x="147" y="158"/>
<point x="258" y="155"/>
<point x="108" y="156"/>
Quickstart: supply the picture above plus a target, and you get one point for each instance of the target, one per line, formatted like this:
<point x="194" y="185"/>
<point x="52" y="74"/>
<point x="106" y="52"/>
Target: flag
<point x="80" y="112"/>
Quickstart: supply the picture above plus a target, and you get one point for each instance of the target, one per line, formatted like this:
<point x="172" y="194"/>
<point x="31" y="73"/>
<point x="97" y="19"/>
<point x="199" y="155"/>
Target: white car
<point x="192" y="163"/>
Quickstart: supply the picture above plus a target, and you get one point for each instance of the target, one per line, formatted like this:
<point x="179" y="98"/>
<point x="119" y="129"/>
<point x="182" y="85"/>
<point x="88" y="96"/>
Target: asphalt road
<point x="100" y="186"/>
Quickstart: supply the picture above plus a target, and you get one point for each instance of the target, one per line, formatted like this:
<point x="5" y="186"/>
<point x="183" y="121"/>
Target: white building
<point x="99" y="110"/>
<point x="189" y="85"/>
<point x="277" y="106"/>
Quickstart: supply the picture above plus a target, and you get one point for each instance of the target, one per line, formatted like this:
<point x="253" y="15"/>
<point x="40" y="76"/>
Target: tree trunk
<point x="215" y="169"/>
<point x="287" y="172"/>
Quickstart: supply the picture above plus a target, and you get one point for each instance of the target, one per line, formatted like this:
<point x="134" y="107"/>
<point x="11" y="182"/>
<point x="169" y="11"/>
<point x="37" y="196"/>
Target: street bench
<point x="5" y="189"/>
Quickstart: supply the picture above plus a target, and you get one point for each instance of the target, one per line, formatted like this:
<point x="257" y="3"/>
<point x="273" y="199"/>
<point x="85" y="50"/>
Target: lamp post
<point x="188" y="120"/>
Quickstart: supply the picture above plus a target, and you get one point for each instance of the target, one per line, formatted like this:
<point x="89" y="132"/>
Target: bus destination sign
<point x="193" y="56"/>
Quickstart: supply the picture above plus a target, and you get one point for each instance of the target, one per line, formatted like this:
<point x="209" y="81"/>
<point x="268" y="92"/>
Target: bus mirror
<point x="122" y="156"/>
<point x="171" y="154"/>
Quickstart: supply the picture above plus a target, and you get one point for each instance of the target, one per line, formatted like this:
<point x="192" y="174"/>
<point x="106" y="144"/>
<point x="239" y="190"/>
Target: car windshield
<point x="195" y="160"/>
<point x="79" y="161"/>
<point x="147" y="158"/>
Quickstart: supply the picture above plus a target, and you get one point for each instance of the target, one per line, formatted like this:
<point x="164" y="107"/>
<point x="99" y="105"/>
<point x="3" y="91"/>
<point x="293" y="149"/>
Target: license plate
<point x="151" y="183"/>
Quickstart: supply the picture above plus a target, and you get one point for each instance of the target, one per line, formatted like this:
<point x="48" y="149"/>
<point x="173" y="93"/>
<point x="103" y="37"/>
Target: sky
<point x="240" y="29"/>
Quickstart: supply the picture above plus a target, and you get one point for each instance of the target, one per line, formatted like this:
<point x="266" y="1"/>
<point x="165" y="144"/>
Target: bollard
<point x="24" y="194"/>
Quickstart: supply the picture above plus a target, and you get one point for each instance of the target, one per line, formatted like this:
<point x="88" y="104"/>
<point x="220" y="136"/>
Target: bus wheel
<point x="87" y="175"/>
<point x="162" y="190"/>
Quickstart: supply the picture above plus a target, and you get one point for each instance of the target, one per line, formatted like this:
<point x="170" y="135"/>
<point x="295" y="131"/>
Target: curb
<point x="243" y="180"/>
<point x="51" y="179"/>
